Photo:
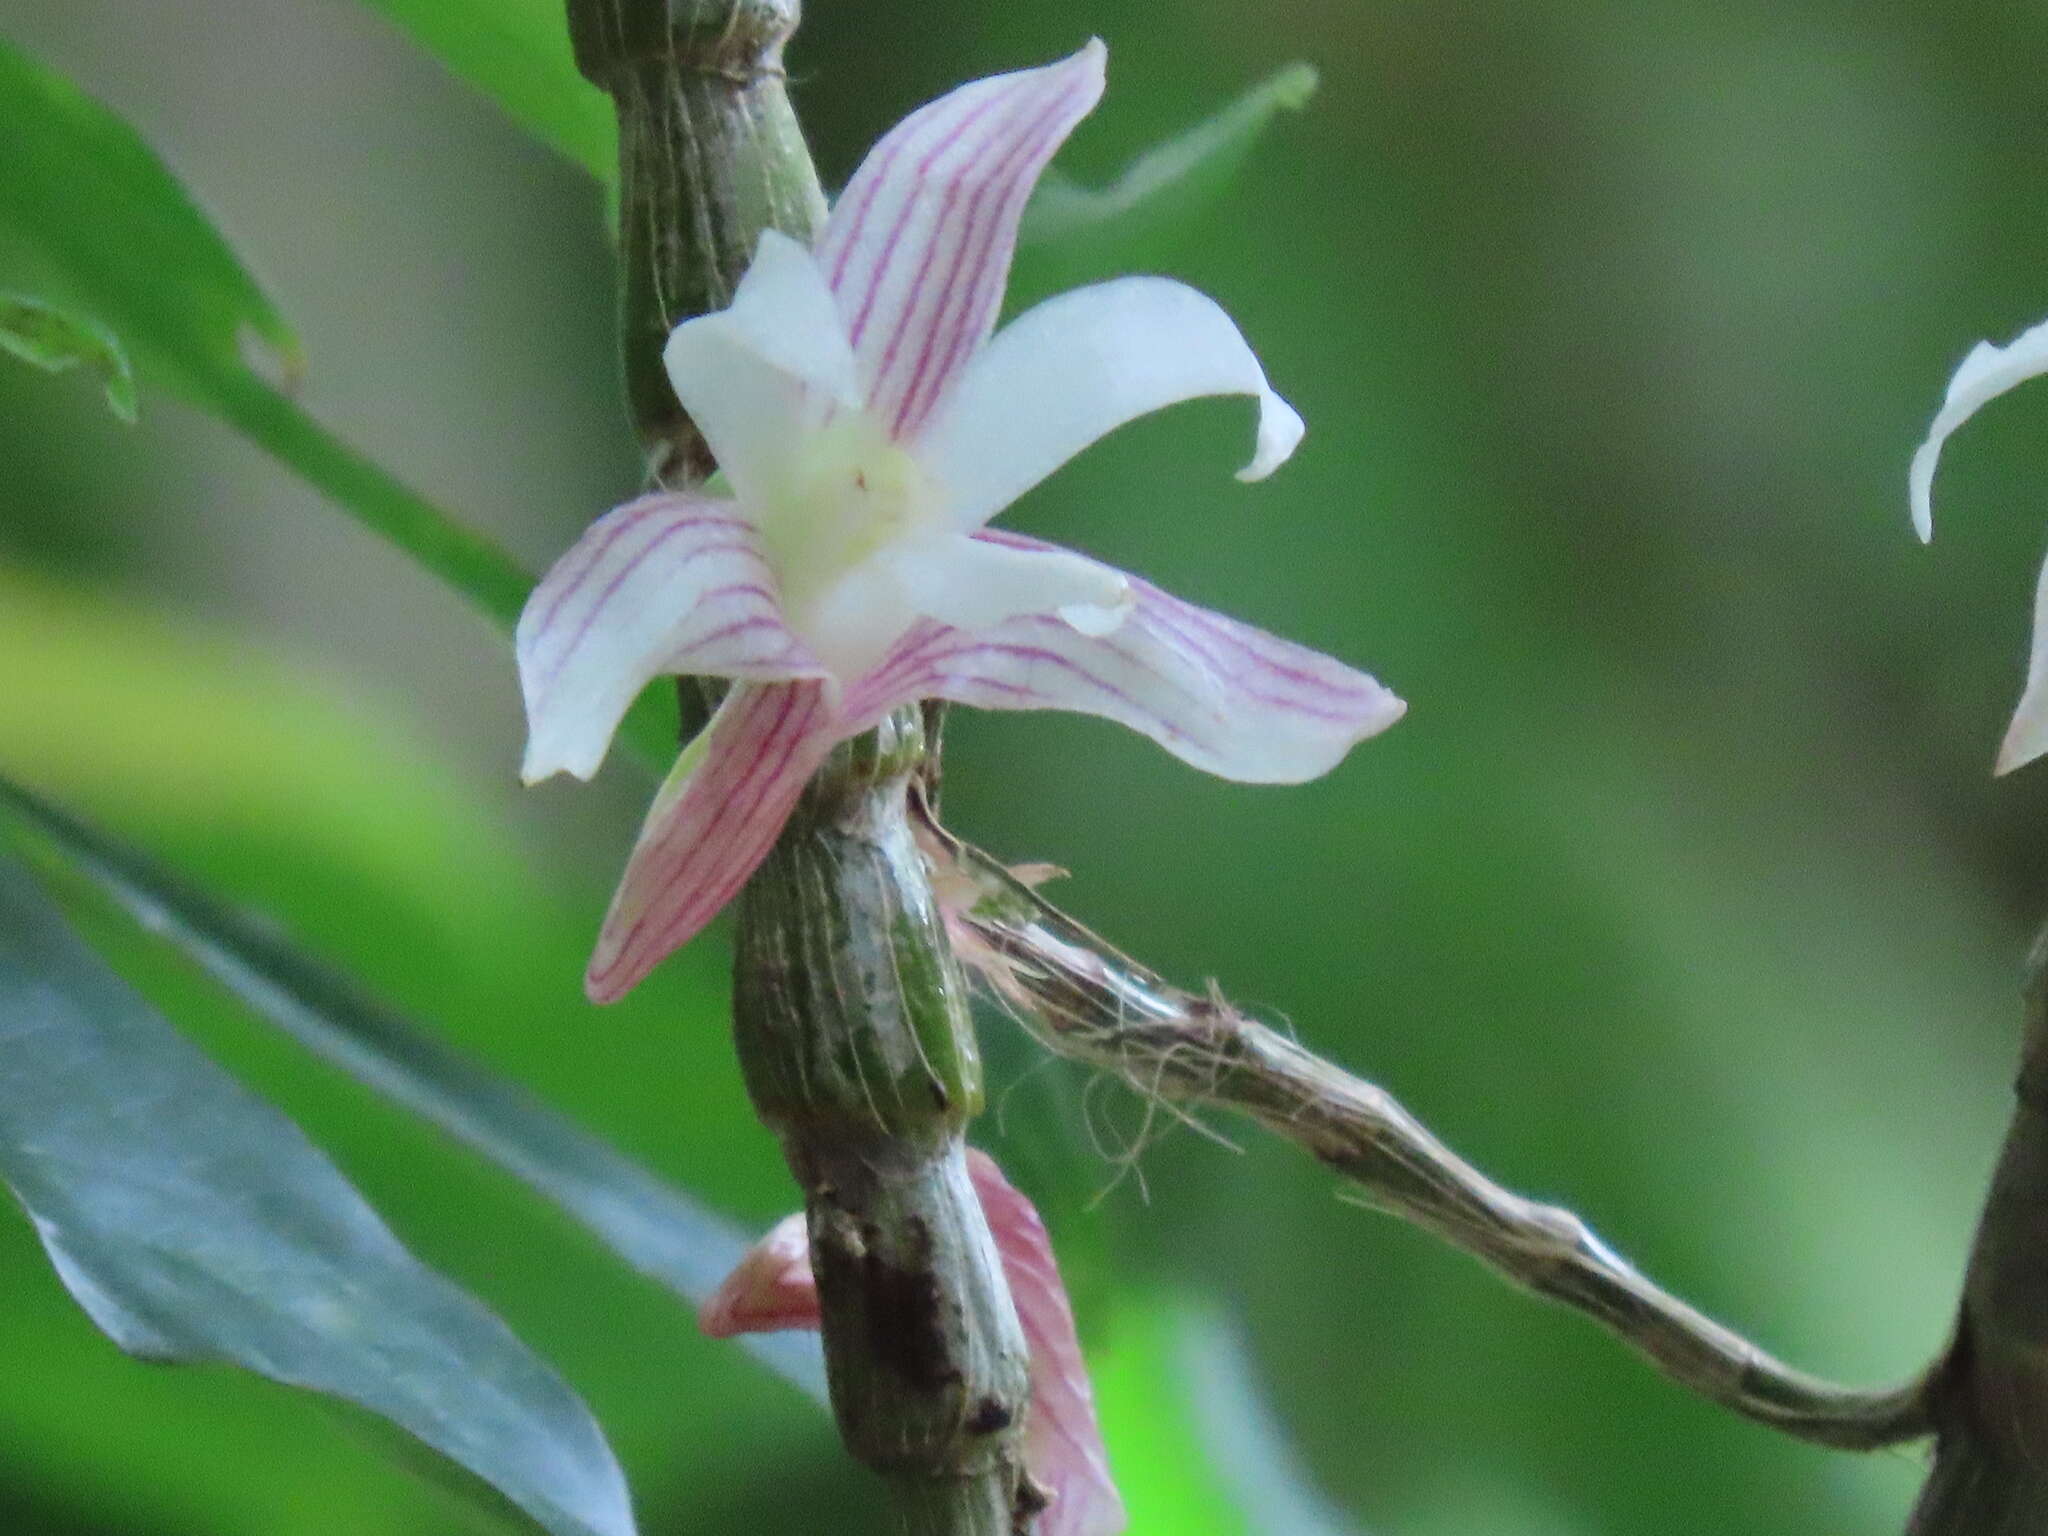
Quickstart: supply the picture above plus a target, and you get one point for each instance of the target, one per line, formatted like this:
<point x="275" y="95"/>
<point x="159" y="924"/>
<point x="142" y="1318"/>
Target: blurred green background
<point x="1682" y="895"/>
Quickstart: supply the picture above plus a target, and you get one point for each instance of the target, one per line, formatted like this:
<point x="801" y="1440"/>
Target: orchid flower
<point x="869" y="427"/>
<point x="1988" y="372"/>
<point x="772" y="1288"/>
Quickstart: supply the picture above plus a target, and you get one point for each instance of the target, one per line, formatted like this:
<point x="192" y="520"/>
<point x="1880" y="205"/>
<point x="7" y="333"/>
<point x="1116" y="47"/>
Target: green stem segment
<point x="710" y="155"/>
<point x="849" y="1009"/>
<point x="857" y="1049"/>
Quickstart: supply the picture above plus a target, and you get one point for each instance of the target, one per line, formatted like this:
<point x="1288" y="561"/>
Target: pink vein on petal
<point x="594" y="612"/>
<point x="749" y="771"/>
<point x="594" y="550"/>
<point x="989" y="267"/>
<point x="950" y="133"/>
<point x="1011" y="178"/>
<point x="697" y="850"/>
<point x="935" y="239"/>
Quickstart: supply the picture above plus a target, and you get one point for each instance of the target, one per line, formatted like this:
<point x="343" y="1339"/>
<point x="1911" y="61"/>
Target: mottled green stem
<point x="849" y="1010"/>
<point x="854" y="1037"/>
<point x="710" y="155"/>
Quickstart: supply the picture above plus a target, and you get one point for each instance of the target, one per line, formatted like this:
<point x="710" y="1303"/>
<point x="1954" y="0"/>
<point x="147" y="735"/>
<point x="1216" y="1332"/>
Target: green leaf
<point x="469" y="561"/>
<point x="1164" y="1471"/>
<point x="55" y="340"/>
<point x="1163" y="189"/>
<point x="193" y="1222"/>
<point x="659" y="1230"/>
<point x="89" y="197"/>
<point x="517" y="53"/>
<point x="1240" y="1435"/>
<point x="112" y="226"/>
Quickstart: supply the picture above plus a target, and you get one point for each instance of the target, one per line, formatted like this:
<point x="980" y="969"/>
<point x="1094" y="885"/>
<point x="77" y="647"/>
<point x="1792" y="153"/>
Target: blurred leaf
<point x="459" y="555"/>
<point x="1167" y="185"/>
<point x="1244" y="1441"/>
<point x="195" y="1223"/>
<point x="517" y="53"/>
<point x="274" y="783"/>
<point x="117" y="230"/>
<point x="55" y="340"/>
<point x="659" y="1230"/>
<point x="463" y="558"/>
<point x="1162" y="1467"/>
<point x="83" y="189"/>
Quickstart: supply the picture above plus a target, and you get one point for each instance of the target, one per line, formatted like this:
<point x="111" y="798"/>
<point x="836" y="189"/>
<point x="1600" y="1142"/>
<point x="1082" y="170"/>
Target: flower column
<point x="849" y="1008"/>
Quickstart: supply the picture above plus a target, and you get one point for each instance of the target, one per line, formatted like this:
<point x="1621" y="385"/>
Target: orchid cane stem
<point x="1989" y="1393"/>
<point x="1085" y="1001"/>
<point x="849" y="1009"/>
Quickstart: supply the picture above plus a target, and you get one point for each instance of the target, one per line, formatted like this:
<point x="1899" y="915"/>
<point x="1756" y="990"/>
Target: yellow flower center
<point x="849" y="494"/>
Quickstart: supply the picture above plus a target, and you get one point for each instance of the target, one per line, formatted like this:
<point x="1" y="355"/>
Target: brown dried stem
<point x="1086" y="1001"/>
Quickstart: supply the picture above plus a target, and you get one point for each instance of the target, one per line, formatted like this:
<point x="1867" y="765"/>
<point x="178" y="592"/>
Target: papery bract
<point x="870" y="426"/>
<point x="772" y="1288"/>
<point x="1988" y="372"/>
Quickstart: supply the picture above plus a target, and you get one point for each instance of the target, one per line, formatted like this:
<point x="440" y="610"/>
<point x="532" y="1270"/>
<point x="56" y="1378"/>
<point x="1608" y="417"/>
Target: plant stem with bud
<point x="849" y="1008"/>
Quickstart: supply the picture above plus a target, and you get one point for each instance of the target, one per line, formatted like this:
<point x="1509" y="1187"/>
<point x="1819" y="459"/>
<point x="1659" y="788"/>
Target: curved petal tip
<point x="1280" y="433"/>
<point x="544" y="760"/>
<point x="1920" y="479"/>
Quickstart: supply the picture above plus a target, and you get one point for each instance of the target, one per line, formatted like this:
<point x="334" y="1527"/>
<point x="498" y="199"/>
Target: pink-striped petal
<point x="917" y="250"/>
<point x="773" y="1288"/>
<point x="668" y="583"/>
<point x="1063" y="1447"/>
<point x="1232" y="700"/>
<point x="1077" y="367"/>
<point x="711" y="825"/>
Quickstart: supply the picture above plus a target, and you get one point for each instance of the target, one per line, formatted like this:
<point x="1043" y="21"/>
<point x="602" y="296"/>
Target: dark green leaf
<point x="55" y="340"/>
<point x="195" y="1223"/>
<point x="517" y="53"/>
<point x="661" y="1231"/>
<point x="1163" y="188"/>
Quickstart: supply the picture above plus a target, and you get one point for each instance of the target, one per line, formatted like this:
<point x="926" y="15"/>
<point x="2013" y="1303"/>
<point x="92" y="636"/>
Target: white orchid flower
<point x="870" y="426"/>
<point x="1988" y="372"/>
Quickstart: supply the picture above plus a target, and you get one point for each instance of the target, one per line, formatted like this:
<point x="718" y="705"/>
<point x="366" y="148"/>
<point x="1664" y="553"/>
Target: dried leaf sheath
<point x="1088" y="1002"/>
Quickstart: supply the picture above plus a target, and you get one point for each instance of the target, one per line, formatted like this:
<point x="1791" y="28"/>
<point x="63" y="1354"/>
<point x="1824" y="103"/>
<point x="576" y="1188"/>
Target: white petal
<point x="711" y="826"/>
<point x="1988" y="372"/>
<point x="669" y="583"/>
<point x="1232" y="700"/>
<point x="850" y="624"/>
<point x="1076" y="367"/>
<point x="2027" y="737"/>
<point x="1063" y="1447"/>
<point x="746" y="373"/>
<point x="974" y="583"/>
<point x="918" y="248"/>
